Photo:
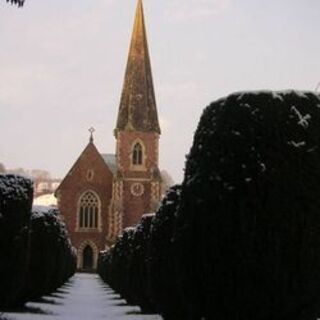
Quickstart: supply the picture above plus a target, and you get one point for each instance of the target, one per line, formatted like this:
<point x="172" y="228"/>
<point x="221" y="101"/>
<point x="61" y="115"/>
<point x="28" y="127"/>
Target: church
<point x="104" y="193"/>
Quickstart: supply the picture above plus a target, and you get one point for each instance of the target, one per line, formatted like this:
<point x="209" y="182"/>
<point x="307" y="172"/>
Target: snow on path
<point x="84" y="297"/>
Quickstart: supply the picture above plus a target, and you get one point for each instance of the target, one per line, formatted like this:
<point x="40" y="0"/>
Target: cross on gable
<point x="91" y="130"/>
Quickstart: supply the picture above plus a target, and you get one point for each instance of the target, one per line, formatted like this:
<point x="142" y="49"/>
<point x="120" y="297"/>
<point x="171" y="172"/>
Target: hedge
<point x="240" y="238"/>
<point x="52" y="258"/>
<point x="139" y="253"/>
<point x="247" y="240"/>
<point x="36" y="256"/>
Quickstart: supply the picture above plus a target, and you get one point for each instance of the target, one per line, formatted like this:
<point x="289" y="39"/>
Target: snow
<point x="40" y="209"/>
<point x="236" y="133"/>
<point x="297" y="144"/>
<point x="276" y="95"/>
<point x="85" y="297"/>
<point x="148" y="215"/>
<point x="300" y="94"/>
<point x="303" y="120"/>
<point x="129" y="229"/>
<point x="46" y="200"/>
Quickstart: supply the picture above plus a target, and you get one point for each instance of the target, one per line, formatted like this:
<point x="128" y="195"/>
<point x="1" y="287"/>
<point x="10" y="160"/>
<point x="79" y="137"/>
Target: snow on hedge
<point x="247" y="238"/>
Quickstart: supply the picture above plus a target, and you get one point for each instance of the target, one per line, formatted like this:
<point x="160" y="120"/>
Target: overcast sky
<point x="62" y="65"/>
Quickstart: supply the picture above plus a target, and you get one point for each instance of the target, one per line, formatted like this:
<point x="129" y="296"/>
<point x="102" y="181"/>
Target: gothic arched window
<point x="89" y="211"/>
<point x="137" y="155"/>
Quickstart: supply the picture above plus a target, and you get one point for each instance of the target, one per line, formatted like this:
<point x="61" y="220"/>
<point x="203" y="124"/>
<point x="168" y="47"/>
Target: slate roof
<point x="111" y="162"/>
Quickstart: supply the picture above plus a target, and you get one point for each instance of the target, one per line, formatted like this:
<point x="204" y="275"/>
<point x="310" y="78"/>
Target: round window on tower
<point x="137" y="189"/>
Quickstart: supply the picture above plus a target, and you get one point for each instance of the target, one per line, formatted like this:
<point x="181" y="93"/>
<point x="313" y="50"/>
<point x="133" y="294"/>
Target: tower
<point x="104" y="193"/>
<point x="137" y="189"/>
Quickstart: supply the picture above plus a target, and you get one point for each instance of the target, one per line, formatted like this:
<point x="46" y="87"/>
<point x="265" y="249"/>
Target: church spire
<point x="138" y="110"/>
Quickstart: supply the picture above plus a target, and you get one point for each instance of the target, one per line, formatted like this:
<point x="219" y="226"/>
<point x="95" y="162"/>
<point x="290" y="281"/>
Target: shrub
<point x="247" y="241"/>
<point x="137" y="266"/>
<point x="124" y="268"/>
<point x="16" y="195"/>
<point x="52" y="259"/>
<point x="36" y="256"/>
<point x="103" y="263"/>
<point x="239" y="239"/>
<point x="161" y="274"/>
<point x="119" y="269"/>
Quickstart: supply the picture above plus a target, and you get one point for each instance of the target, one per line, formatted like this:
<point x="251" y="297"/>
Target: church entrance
<point x="87" y="258"/>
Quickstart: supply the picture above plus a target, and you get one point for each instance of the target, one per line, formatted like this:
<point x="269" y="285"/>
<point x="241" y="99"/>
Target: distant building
<point x="104" y="193"/>
<point x="45" y="186"/>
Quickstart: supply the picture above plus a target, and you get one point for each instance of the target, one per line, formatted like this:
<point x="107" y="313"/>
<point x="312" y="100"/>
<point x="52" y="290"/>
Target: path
<point x="84" y="297"/>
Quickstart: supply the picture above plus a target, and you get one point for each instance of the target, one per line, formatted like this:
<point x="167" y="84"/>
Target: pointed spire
<point x="138" y="110"/>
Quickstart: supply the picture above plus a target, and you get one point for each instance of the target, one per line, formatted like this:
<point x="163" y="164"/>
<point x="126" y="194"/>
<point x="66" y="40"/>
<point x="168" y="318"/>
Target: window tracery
<point x="89" y="211"/>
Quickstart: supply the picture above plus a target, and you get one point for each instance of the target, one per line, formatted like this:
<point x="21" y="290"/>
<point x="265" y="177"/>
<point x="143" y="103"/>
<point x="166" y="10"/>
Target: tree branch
<point x="19" y="3"/>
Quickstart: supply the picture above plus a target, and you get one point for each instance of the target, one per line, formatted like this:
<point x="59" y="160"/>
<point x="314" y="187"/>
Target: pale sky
<point x="62" y="65"/>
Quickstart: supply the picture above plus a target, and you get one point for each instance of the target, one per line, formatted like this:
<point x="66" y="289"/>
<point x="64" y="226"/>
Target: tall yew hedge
<point x="36" y="256"/>
<point x="16" y="195"/>
<point x="240" y="240"/>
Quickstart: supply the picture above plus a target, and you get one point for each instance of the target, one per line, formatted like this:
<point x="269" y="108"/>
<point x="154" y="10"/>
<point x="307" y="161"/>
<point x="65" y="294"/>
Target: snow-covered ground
<point x="48" y="200"/>
<point x="85" y="297"/>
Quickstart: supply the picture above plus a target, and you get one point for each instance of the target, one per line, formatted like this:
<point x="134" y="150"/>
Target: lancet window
<point x="137" y="156"/>
<point x="89" y="211"/>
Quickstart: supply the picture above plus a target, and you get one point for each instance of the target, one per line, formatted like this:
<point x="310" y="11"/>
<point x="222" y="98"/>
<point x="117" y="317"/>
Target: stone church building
<point x="104" y="193"/>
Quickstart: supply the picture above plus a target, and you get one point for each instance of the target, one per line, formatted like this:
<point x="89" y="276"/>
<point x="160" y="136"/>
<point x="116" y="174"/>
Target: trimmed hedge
<point x="126" y="258"/>
<point x="162" y="279"/>
<point x="138" y="260"/>
<point x="139" y="253"/>
<point x="247" y="237"/>
<point x="36" y="256"/>
<point x="241" y="240"/>
<point x="16" y="194"/>
<point x="52" y="258"/>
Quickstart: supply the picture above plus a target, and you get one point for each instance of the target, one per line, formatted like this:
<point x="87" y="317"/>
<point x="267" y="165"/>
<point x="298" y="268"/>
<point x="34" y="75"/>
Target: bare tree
<point x="19" y="3"/>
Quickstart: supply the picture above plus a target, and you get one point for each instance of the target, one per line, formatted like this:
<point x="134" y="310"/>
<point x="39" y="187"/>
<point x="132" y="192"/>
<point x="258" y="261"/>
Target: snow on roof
<point x="110" y="160"/>
<point x="47" y="200"/>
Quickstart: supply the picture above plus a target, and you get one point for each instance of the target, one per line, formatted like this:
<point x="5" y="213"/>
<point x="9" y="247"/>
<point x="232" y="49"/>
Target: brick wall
<point x="137" y="205"/>
<point x="76" y="184"/>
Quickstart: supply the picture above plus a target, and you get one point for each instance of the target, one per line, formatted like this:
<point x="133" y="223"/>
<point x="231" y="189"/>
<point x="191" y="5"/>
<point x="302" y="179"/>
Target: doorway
<point x="87" y="258"/>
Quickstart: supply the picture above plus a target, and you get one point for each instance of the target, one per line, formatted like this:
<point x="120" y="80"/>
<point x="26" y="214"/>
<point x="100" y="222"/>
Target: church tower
<point x="104" y="193"/>
<point x="137" y="189"/>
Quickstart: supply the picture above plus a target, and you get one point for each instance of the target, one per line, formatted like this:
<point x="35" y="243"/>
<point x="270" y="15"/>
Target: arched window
<point x="137" y="155"/>
<point x="89" y="211"/>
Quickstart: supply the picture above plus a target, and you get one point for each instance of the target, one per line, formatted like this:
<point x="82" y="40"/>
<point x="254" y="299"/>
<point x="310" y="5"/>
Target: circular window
<point x="90" y="175"/>
<point x="137" y="189"/>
